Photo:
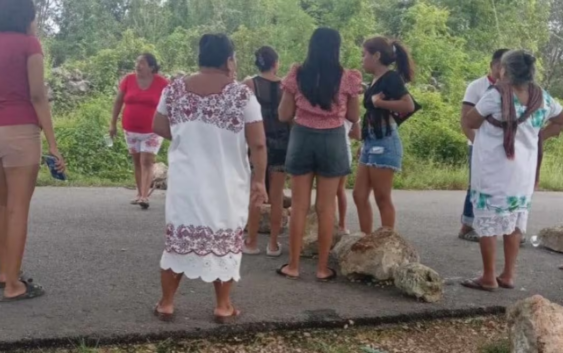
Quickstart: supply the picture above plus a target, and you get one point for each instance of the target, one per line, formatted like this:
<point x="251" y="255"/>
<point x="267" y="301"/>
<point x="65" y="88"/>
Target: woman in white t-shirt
<point x="509" y="119"/>
<point x="353" y="131"/>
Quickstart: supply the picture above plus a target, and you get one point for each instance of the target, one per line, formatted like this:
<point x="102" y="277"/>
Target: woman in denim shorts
<point x="319" y="94"/>
<point x="382" y="152"/>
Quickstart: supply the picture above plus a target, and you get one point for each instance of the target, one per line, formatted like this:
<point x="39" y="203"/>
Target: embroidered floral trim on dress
<point x="224" y="110"/>
<point x="202" y="241"/>
<point x="492" y="225"/>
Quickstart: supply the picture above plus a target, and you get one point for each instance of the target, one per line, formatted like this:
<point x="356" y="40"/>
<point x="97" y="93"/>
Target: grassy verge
<point x="416" y="175"/>
<point x="475" y="335"/>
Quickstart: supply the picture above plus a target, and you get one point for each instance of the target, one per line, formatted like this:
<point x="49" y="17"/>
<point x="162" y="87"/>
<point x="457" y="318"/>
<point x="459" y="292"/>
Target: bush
<point x="80" y="135"/>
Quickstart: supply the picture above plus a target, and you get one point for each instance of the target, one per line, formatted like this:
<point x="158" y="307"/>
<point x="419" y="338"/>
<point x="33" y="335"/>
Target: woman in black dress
<point x="266" y="85"/>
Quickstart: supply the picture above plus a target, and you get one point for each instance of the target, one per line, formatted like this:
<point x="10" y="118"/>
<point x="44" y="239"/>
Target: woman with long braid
<point x="509" y="119"/>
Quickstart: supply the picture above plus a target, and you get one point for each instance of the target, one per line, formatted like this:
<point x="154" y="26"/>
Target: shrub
<point x="80" y="135"/>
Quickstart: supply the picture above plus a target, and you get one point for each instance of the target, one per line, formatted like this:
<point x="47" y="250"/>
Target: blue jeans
<point x="467" y="217"/>
<point x="388" y="151"/>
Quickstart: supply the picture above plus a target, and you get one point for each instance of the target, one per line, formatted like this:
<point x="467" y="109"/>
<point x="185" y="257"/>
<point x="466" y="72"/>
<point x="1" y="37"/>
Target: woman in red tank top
<point x="140" y="93"/>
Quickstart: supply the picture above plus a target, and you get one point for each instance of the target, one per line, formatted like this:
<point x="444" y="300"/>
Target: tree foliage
<point x="451" y="41"/>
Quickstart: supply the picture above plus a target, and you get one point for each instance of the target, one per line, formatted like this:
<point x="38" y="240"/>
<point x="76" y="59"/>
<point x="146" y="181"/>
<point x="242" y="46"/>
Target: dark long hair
<point x="319" y="76"/>
<point x="392" y="52"/>
<point x="266" y="58"/>
<point x="16" y="15"/>
<point x="215" y="50"/>
<point x="152" y="62"/>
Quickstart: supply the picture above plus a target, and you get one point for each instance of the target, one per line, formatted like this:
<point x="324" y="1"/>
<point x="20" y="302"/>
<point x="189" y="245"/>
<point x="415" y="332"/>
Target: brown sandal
<point x="223" y="320"/>
<point x="164" y="317"/>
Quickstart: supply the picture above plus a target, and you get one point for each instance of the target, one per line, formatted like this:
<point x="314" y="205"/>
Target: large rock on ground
<point x="419" y="281"/>
<point x="377" y="255"/>
<point x="160" y="176"/>
<point x="552" y="238"/>
<point x="536" y="326"/>
<point x="265" y="225"/>
<point x="343" y="247"/>
<point x="310" y="247"/>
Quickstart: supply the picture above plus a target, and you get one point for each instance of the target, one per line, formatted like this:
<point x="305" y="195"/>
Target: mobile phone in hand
<point x="52" y="164"/>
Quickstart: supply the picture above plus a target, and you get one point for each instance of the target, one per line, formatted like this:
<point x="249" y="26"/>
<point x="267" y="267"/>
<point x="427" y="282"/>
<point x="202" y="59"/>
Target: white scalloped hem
<point x="488" y="224"/>
<point x="209" y="268"/>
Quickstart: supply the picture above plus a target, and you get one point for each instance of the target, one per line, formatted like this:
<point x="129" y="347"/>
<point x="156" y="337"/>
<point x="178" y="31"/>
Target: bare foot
<point x="288" y="272"/>
<point x="14" y="292"/>
<point x="505" y="282"/>
<point x="165" y="309"/>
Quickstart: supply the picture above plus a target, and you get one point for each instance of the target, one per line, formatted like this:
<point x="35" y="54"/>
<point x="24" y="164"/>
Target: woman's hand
<point x="112" y="131"/>
<point x="377" y="99"/>
<point x="258" y="194"/>
<point x="60" y="163"/>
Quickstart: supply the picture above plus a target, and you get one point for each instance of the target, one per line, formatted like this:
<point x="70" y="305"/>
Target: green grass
<point x="497" y="347"/>
<point x="416" y="175"/>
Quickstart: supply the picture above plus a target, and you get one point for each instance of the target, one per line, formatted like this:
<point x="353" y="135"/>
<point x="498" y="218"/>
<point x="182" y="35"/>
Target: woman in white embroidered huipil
<point x="211" y="119"/>
<point x="510" y="119"/>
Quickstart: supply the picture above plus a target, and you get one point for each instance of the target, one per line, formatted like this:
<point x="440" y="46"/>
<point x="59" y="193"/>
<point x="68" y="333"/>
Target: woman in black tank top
<point x="267" y="87"/>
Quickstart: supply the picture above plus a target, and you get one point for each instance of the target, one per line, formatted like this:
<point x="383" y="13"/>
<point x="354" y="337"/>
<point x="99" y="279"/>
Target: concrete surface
<point x="98" y="259"/>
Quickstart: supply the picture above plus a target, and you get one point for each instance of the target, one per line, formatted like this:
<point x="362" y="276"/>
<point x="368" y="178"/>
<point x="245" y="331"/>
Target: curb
<point x="225" y="332"/>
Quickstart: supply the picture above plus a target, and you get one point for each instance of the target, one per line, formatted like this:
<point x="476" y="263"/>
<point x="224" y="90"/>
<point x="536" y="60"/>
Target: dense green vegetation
<point x="451" y="41"/>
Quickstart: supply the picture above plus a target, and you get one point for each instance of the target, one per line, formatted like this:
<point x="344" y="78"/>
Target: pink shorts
<point x="143" y="143"/>
<point x="20" y="145"/>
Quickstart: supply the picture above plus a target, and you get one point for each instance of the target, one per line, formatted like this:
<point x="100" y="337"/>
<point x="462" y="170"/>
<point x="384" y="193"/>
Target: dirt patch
<point x="472" y="335"/>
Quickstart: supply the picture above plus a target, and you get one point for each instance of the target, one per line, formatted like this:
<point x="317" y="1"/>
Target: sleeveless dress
<point x="269" y="95"/>
<point x="502" y="189"/>
<point x="208" y="180"/>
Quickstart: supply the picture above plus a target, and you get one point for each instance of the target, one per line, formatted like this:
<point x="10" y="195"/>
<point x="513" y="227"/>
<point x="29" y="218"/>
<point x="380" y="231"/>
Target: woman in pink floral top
<point x="319" y="96"/>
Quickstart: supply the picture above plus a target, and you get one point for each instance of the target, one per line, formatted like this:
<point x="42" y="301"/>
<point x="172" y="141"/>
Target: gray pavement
<point x="98" y="259"/>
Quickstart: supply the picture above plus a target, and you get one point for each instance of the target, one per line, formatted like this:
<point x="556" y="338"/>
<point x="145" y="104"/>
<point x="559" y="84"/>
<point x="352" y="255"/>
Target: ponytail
<point x="404" y="62"/>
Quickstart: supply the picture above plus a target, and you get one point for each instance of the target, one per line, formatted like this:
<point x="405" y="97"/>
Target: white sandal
<point x="247" y="251"/>
<point x="274" y="253"/>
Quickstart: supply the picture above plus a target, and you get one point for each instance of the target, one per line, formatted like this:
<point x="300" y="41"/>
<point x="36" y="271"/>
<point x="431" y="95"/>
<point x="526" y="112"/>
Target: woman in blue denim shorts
<point x="382" y="151"/>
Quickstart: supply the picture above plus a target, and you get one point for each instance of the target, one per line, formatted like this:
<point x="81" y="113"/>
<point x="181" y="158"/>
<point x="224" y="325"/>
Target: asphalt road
<point x="98" y="259"/>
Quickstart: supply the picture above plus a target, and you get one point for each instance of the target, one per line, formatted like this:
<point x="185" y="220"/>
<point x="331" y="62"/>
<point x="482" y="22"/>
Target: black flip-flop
<point x="475" y="284"/>
<point x="31" y="291"/>
<point x="21" y="278"/>
<point x="330" y="278"/>
<point x="144" y="204"/>
<point x="162" y="316"/>
<point x="280" y="272"/>
<point x="503" y="284"/>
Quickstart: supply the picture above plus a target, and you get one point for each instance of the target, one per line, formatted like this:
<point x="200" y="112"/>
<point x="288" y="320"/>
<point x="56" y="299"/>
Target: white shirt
<point x="348" y="126"/>
<point x="475" y="91"/>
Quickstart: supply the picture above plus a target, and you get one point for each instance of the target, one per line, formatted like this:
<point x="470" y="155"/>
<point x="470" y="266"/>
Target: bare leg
<point x="511" y="249"/>
<point x="381" y="180"/>
<point x="223" y="295"/>
<point x="137" y="169"/>
<point x="253" y="224"/>
<point x="3" y="224"/>
<point x="147" y="171"/>
<point x="21" y="185"/>
<point x="301" y="202"/>
<point x="277" y="183"/>
<point x="342" y="204"/>
<point x="326" y="193"/>
<point x="488" y="253"/>
<point x="362" y="192"/>
<point x="169" y="282"/>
